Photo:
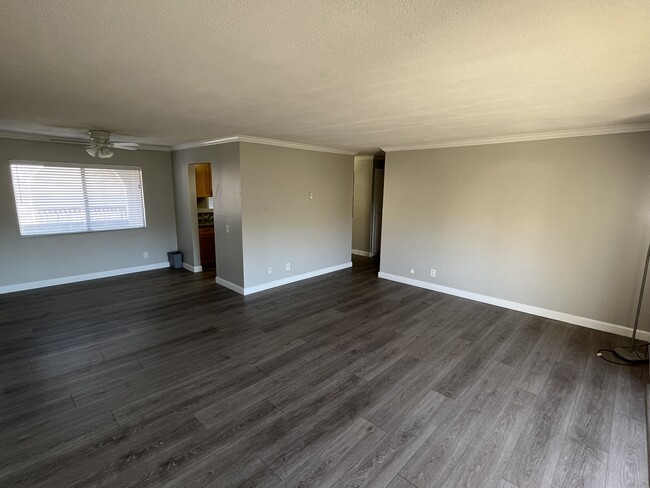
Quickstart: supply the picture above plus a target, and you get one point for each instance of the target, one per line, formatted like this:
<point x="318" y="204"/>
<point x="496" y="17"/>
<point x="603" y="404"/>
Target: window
<point x="62" y="199"/>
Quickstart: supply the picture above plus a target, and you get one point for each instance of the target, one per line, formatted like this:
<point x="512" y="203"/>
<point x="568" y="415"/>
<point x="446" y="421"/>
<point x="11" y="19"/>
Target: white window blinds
<point x="56" y="199"/>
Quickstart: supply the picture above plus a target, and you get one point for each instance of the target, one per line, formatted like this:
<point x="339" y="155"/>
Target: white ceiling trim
<point x="562" y="134"/>
<point x="26" y="136"/>
<point x="212" y="142"/>
<point x="364" y="157"/>
<point x="261" y="140"/>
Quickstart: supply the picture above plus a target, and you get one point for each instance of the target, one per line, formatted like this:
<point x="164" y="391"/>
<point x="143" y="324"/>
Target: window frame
<point x="57" y="164"/>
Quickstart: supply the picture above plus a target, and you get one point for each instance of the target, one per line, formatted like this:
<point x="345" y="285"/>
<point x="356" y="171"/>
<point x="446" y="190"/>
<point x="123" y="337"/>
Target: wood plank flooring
<point x="165" y="379"/>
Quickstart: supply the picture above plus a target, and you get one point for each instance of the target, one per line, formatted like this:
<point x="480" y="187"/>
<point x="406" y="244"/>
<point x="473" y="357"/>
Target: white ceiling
<point x="355" y="74"/>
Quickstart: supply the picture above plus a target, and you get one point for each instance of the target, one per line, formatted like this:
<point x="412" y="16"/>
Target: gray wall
<point x="281" y="224"/>
<point x="28" y="259"/>
<point x="559" y="224"/>
<point x="361" y="222"/>
<point x="227" y="207"/>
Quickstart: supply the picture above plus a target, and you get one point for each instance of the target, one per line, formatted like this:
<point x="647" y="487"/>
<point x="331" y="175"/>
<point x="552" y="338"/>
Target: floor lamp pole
<point x="630" y="354"/>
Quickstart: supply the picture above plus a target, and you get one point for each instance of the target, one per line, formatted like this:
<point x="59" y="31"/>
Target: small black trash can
<point x="175" y="259"/>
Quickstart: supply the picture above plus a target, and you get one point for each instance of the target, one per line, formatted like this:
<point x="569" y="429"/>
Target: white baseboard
<point x="521" y="307"/>
<point x="284" y="281"/>
<point x="292" y="279"/>
<point x="84" y="277"/>
<point x="229" y="285"/>
<point x="193" y="269"/>
<point x="363" y="253"/>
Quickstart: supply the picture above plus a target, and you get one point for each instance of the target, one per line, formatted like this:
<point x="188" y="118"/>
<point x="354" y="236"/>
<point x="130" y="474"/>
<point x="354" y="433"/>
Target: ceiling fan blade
<point x="70" y="141"/>
<point x="125" y="145"/>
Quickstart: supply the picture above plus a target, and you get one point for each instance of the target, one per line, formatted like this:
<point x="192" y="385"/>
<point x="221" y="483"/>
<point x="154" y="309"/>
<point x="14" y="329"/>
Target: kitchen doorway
<point x="203" y="213"/>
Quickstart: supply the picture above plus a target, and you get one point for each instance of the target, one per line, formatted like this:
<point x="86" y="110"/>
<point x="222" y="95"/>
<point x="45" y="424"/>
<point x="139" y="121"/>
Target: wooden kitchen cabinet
<point x="203" y="174"/>
<point x="206" y="246"/>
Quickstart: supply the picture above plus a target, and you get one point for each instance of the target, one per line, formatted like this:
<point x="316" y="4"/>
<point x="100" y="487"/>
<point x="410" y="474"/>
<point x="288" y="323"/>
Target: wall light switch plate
<point x="268" y="270"/>
<point x="311" y="196"/>
<point x="288" y="267"/>
<point x="227" y="229"/>
<point x="145" y="255"/>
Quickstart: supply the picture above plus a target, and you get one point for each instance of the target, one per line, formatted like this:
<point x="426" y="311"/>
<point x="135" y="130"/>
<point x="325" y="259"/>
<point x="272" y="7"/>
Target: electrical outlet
<point x="433" y="272"/>
<point x="288" y="267"/>
<point x="269" y="270"/>
<point x="145" y="255"/>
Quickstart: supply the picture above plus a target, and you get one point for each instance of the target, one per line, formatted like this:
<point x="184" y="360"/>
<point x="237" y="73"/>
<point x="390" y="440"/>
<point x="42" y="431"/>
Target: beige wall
<point x="281" y="224"/>
<point x="30" y="259"/>
<point x="261" y="193"/>
<point x="227" y="207"/>
<point x="559" y="224"/>
<point x="362" y="219"/>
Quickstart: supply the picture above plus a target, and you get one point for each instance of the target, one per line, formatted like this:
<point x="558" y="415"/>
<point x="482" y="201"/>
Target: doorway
<point x="377" y="208"/>
<point x="367" y="204"/>
<point x="202" y="206"/>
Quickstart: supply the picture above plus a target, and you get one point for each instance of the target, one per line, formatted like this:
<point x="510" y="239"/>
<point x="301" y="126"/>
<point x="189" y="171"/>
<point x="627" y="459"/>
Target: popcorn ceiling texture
<point x="351" y="74"/>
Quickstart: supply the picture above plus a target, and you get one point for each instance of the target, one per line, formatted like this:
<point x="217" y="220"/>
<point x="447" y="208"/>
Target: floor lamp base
<point x="633" y="356"/>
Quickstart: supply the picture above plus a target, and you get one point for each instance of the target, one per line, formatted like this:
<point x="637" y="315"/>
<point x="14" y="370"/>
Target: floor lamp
<point x="630" y="354"/>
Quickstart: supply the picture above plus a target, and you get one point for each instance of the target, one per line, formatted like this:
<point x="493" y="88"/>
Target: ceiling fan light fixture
<point x="105" y="152"/>
<point x="92" y="151"/>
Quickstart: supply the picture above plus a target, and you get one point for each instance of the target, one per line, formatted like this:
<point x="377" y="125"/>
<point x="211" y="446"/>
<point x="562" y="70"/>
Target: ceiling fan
<point x="100" y="144"/>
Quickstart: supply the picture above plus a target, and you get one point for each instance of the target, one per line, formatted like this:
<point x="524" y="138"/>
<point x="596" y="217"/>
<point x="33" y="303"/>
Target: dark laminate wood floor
<point x="164" y="379"/>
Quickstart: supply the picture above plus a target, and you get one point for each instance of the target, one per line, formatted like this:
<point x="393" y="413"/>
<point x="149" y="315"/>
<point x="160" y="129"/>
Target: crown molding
<point x="295" y="145"/>
<point x="26" y="136"/>
<point x="262" y="140"/>
<point x="540" y="136"/>
<point x="210" y="142"/>
<point x="5" y="134"/>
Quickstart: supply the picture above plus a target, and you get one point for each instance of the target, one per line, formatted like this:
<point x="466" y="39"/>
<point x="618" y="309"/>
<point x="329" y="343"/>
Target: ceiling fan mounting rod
<point x="99" y="136"/>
